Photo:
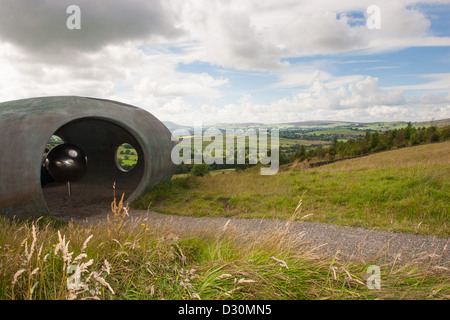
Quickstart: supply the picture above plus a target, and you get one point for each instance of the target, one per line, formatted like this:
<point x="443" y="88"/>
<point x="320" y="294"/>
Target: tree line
<point x="369" y="143"/>
<point x="376" y="141"/>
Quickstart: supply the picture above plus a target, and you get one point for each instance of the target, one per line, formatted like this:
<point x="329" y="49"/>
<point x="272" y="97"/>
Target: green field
<point x="341" y="131"/>
<point x="283" y="142"/>
<point x="401" y="190"/>
<point x="126" y="156"/>
<point x="383" y="126"/>
<point x="292" y="142"/>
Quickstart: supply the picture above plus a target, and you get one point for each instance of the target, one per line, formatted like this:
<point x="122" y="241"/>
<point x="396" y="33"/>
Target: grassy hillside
<point x="437" y="123"/>
<point x="401" y="190"/>
<point x="141" y="258"/>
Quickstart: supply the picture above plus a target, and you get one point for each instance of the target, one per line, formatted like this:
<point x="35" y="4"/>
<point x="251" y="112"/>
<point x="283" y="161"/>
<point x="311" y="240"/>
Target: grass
<point x="131" y="258"/>
<point x="337" y="131"/>
<point x="284" y="142"/>
<point x="148" y="260"/>
<point x="404" y="190"/>
<point x="132" y="158"/>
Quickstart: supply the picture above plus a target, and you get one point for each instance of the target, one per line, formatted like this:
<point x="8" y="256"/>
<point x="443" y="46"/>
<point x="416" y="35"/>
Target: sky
<point x="226" y="61"/>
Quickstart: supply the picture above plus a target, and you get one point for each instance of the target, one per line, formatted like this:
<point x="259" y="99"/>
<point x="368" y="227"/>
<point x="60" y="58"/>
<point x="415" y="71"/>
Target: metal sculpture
<point x="96" y="126"/>
<point x="66" y="163"/>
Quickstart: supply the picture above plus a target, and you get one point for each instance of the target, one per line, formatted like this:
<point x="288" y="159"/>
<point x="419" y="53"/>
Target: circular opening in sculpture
<point x="54" y="141"/>
<point x="51" y="143"/>
<point x="99" y="140"/>
<point x="126" y="157"/>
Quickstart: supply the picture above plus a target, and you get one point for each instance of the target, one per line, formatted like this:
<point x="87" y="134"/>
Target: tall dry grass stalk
<point x="28" y="268"/>
<point x="210" y="262"/>
<point x="76" y="284"/>
<point x="119" y="212"/>
<point x="71" y="278"/>
<point x="283" y="233"/>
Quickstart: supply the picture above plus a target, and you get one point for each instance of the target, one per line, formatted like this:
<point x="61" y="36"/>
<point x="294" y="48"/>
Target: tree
<point x="432" y="134"/>
<point x="300" y="153"/>
<point x="363" y="146"/>
<point x="400" y="140"/>
<point x="373" y="141"/>
<point x="321" y="152"/>
<point x="409" y="130"/>
<point x="332" y="150"/>
<point x="200" y="170"/>
<point x="445" y="133"/>
<point x="183" y="168"/>
<point x="413" y="140"/>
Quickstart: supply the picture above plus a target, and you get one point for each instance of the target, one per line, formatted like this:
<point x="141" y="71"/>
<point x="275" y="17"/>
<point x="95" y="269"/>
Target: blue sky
<point x="235" y="61"/>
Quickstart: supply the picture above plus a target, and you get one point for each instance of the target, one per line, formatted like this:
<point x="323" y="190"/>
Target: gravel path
<point x="353" y="243"/>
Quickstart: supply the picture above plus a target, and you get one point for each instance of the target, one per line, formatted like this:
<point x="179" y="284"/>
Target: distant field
<point x="282" y="141"/>
<point x="401" y="190"/>
<point x="319" y="124"/>
<point x="127" y="157"/>
<point x="383" y="126"/>
<point x="292" y="142"/>
<point x="338" y="131"/>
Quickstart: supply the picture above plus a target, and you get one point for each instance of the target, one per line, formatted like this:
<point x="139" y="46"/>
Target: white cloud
<point x="365" y="93"/>
<point x="243" y="35"/>
<point x="363" y="100"/>
<point x="389" y="112"/>
<point x="176" y="105"/>
<point x="39" y="26"/>
<point x="430" y="98"/>
<point x="222" y="34"/>
<point x="436" y="82"/>
<point x="430" y="112"/>
<point x="399" y="21"/>
<point x="130" y="50"/>
<point x="181" y="84"/>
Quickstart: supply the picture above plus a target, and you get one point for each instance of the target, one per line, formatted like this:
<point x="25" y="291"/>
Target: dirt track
<point x="353" y="243"/>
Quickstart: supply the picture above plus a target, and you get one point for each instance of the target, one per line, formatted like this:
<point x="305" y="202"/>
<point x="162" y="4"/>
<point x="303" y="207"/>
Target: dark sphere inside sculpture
<point x="66" y="163"/>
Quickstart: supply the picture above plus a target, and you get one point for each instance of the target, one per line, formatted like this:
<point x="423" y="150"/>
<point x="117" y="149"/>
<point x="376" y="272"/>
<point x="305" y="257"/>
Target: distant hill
<point x="317" y="124"/>
<point x="173" y="126"/>
<point x="437" y="123"/>
<point x="240" y="125"/>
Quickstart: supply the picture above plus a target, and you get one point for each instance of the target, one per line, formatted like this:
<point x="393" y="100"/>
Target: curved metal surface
<point x="96" y="126"/>
<point x="66" y="163"/>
